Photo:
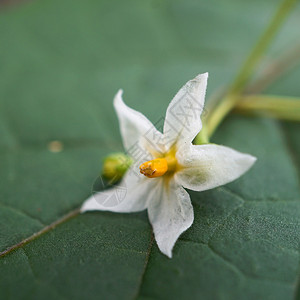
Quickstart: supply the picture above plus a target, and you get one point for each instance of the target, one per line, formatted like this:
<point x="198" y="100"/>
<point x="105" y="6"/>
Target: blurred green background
<point x="61" y="63"/>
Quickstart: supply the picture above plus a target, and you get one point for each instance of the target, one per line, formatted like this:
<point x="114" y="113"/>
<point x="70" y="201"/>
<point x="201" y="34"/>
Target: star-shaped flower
<point x="167" y="163"/>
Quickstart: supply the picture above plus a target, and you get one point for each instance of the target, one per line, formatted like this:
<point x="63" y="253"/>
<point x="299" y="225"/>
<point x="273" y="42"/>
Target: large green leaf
<point x="61" y="63"/>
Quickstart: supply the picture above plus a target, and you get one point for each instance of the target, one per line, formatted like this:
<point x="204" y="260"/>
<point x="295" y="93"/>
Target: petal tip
<point x="82" y="209"/>
<point x="248" y="161"/>
<point x="118" y="97"/>
<point x="253" y="159"/>
<point x="166" y="252"/>
<point x="202" y="76"/>
<point x="91" y="204"/>
<point x="86" y="206"/>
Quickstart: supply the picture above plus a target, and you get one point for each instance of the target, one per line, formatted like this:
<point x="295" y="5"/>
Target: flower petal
<point x="208" y="166"/>
<point x="130" y="195"/>
<point x="170" y="214"/>
<point x="182" y="122"/>
<point x="139" y="135"/>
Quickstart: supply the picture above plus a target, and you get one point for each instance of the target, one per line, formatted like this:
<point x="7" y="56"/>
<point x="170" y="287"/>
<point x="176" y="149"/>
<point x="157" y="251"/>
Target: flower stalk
<point x="237" y="87"/>
<point x="283" y="108"/>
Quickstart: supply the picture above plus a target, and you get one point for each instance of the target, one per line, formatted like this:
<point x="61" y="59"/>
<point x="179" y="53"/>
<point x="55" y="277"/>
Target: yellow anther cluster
<point x="160" y="166"/>
<point x="154" y="168"/>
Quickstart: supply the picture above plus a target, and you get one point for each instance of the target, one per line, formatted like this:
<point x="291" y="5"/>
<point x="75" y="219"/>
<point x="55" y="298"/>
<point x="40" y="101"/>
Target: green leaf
<point x="61" y="64"/>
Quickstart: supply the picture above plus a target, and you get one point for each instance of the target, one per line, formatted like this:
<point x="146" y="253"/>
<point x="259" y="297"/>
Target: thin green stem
<point x="284" y="108"/>
<point x="202" y="137"/>
<point x="245" y="73"/>
<point x="263" y="43"/>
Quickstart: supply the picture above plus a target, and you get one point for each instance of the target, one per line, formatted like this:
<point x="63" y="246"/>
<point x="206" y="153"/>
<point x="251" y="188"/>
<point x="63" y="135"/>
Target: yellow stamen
<point x="159" y="166"/>
<point x="154" y="168"/>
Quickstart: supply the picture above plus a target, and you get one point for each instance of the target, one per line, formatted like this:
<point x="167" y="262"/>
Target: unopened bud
<point x="115" y="166"/>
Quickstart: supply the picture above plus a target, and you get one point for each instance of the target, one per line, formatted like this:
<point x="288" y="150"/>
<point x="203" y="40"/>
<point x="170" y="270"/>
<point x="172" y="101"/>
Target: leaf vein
<point x="23" y="213"/>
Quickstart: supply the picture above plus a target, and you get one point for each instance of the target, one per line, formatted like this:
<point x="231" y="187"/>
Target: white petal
<point x="130" y="195"/>
<point x="139" y="135"/>
<point x="182" y="122"/>
<point x="170" y="213"/>
<point x="208" y="166"/>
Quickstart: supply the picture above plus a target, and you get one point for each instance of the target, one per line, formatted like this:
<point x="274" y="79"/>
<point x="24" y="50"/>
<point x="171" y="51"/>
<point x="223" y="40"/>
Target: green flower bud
<point x="115" y="166"/>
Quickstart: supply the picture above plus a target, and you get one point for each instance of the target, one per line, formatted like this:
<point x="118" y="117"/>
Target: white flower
<point x="175" y="164"/>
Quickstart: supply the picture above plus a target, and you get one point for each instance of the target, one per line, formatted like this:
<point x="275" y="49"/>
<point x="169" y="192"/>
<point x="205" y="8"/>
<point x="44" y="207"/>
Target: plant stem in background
<point x="245" y="73"/>
<point x="284" y="108"/>
<point x="288" y="60"/>
<point x="202" y="137"/>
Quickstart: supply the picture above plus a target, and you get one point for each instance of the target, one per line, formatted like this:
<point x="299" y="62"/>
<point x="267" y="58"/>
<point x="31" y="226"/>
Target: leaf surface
<point x="61" y="64"/>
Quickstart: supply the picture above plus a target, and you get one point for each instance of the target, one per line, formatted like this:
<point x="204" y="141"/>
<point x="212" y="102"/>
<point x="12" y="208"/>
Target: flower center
<point x="159" y="166"/>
